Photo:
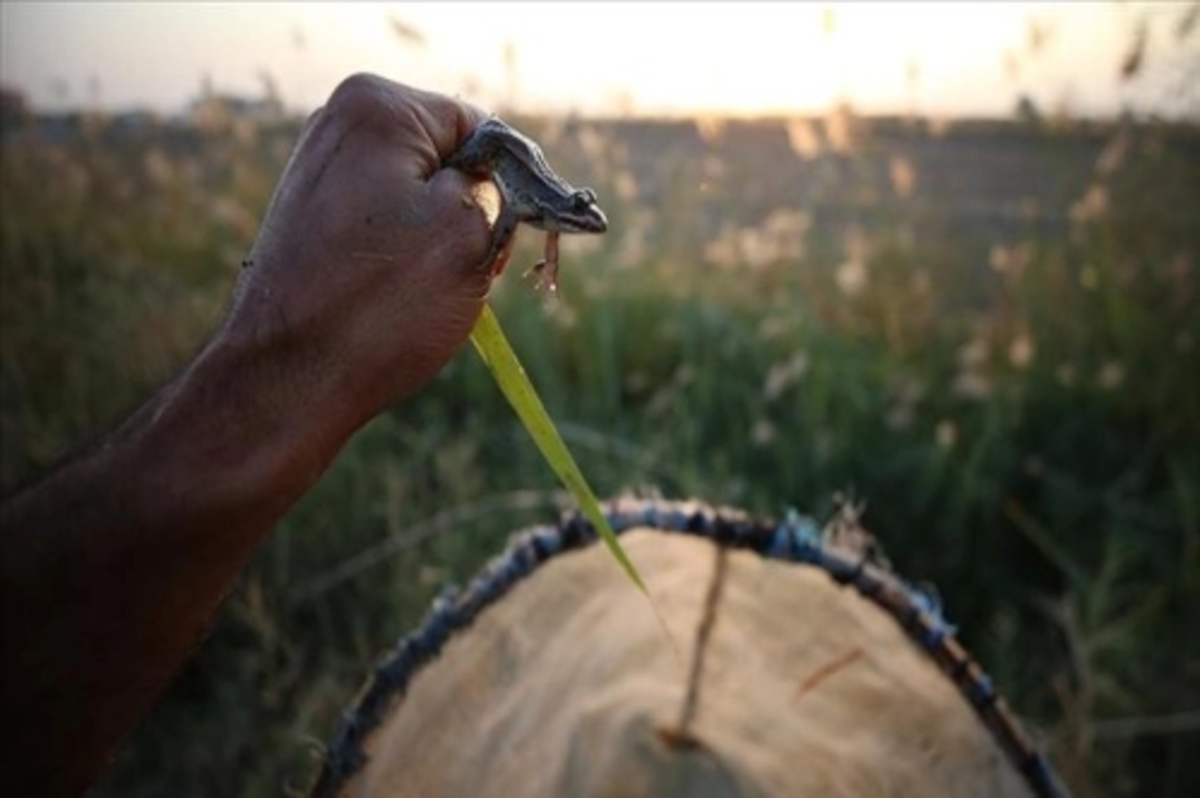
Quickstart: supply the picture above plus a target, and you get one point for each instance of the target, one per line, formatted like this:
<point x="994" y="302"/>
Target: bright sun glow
<point x="935" y="58"/>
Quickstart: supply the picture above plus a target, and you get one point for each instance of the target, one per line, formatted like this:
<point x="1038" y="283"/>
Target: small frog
<point x="531" y="192"/>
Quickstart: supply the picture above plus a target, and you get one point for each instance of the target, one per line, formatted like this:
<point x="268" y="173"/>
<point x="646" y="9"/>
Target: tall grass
<point x="1018" y="411"/>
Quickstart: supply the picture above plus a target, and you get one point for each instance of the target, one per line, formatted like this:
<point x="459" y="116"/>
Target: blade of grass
<point x="1048" y="545"/>
<point x="493" y="348"/>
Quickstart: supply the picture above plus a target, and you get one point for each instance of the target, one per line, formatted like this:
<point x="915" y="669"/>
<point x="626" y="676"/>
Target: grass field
<point x="1018" y="411"/>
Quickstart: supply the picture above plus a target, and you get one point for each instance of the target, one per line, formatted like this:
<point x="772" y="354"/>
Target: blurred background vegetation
<point x="986" y="331"/>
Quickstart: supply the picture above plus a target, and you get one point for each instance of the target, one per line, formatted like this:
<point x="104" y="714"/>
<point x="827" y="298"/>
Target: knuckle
<point x="360" y="95"/>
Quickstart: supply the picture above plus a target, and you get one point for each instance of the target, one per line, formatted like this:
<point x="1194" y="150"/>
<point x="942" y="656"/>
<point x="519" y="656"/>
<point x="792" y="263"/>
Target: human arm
<point x="363" y="282"/>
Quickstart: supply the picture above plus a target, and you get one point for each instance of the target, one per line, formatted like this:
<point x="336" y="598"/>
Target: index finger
<point x="448" y="120"/>
<point x="432" y="124"/>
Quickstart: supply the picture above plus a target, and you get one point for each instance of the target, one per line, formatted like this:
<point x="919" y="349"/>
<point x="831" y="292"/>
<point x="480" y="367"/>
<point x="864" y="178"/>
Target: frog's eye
<point x="583" y="199"/>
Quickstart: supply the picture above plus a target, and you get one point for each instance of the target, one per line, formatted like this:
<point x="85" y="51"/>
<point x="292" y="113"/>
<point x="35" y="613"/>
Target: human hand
<point x="365" y="278"/>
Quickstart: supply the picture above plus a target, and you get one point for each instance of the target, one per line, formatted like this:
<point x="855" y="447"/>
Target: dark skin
<point x="362" y="284"/>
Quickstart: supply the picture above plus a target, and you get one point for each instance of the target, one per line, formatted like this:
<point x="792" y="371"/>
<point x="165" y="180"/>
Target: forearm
<point x="112" y="567"/>
<point x="364" y="283"/>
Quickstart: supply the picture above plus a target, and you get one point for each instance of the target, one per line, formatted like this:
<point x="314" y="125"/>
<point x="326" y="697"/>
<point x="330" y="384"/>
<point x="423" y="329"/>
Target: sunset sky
<point x="937" y="59"/>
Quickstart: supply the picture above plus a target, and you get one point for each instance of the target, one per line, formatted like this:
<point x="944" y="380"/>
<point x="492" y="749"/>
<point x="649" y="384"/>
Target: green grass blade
<point x="493" y="347"/>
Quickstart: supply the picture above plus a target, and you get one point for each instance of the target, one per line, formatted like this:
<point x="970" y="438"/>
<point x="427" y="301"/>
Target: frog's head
<point x="578" y="213"/>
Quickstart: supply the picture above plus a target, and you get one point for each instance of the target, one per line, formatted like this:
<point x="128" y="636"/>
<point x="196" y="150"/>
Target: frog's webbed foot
<point x="547" y="268"/>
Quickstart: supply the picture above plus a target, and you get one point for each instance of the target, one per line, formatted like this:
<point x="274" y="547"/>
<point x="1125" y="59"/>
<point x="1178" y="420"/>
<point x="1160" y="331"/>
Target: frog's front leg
<point x="503" y="230"/>
<point x="547" y="268"/>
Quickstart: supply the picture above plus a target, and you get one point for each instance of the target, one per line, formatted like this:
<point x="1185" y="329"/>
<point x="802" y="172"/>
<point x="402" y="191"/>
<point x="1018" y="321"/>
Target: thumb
<point x="468" y="207"/>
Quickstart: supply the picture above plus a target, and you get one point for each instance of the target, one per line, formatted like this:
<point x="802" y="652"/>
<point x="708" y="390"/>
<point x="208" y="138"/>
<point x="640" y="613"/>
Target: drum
<point x="774" y="659"/>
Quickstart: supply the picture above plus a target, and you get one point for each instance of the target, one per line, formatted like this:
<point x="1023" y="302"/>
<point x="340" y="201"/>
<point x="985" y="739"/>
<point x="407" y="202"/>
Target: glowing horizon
<point x="637" y="59"/>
